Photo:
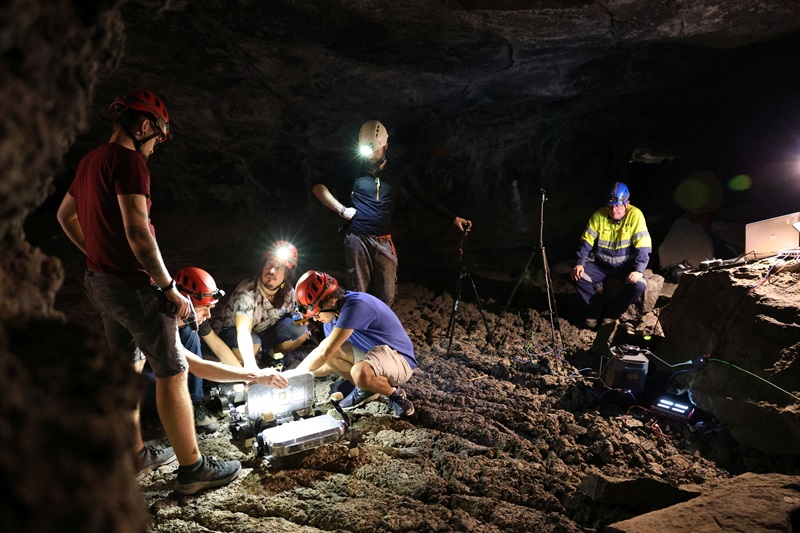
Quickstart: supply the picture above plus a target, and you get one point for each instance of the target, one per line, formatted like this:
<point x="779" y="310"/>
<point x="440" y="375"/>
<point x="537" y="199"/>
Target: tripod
<point x="551" y="301"/>
<point x="463" y="273"/>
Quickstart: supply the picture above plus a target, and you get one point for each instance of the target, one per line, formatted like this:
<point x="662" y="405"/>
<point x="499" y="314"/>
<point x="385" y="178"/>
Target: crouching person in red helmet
<point x="201" y="289"/>
<point x="365" y="342"/>
<point x="258" y="315"/>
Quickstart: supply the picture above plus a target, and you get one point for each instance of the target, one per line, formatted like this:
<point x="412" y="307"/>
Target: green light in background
<point x="698" y="193"/>
<point x="691" y="195"/>
<point x="742" y="182"/>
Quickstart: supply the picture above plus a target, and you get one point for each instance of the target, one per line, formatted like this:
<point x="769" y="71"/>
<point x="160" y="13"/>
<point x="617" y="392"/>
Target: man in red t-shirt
<point x="106" y="213"/>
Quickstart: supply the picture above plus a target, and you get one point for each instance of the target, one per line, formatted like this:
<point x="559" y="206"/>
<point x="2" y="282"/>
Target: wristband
<point x="341" y="211"/>
<point x="169" y="287"/>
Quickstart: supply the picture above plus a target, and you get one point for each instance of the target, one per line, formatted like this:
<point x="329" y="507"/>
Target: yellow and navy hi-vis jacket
<point x="616" y="244"/>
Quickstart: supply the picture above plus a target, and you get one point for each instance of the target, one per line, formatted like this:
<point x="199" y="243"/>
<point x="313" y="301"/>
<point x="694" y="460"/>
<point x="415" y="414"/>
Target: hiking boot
<point x="209" y="473"/>
<point x="356" y="398"/>
<point x="399" y="403"/>
<point x="204" y="421"/>
<point x="151" y="457"/>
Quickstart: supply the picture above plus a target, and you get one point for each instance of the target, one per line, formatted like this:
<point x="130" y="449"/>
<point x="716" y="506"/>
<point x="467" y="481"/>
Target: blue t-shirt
<point x="374" y="197"/>
<point x="373" y="324"/>
<point x="190" y="340"/>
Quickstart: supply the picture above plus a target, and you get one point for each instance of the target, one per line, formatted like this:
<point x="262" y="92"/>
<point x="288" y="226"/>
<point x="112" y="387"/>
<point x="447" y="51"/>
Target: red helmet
<point x="312" y="288"/>
<point x="198" y="285"/>
<point x="285" y="252"/>
<point x="146" y="102"/>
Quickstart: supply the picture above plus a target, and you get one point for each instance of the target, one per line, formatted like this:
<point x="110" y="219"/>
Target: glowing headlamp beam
<point x="365" y="150"/>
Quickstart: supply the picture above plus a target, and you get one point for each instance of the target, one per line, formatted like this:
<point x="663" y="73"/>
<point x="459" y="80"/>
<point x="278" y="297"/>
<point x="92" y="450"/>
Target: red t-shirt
<point x="102" y="175"/>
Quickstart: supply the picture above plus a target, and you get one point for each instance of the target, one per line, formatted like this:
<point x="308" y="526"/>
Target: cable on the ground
<point x="796" y="397"/>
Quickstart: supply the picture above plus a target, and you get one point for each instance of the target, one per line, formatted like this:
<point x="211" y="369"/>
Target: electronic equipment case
<point x="280" y="422"/>
<point x="627" y="370"/>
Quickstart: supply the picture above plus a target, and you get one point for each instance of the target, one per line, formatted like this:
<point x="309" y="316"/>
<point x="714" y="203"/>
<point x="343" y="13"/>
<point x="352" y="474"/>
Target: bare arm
<point x="223" y="373"/>
<point x="221" y="350"/>
<point x="68" y="218"/>
<point x="145" y="248"/>
<point x="329" y="346"/>
<point x="244" y="325"/>
<point x="329" y="200"/>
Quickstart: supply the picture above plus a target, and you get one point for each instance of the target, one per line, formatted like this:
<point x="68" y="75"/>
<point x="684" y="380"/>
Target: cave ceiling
<point x="489" y="100"/>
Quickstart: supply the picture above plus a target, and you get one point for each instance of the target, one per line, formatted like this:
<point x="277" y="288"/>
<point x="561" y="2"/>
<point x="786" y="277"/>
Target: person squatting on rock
<point x="258" y="314"/>
<point x="364" y="343"/>
<point x="615" y="245"/>
<point x="370" y="256"/>
<point x="106" y="214"/>
<point x="198" y="285"/>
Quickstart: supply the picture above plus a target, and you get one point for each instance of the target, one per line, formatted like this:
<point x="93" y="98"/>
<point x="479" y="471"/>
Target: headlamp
<point x="199" y="296"/>
<point x="366" y="150"/>
<point x="282" y="253"/>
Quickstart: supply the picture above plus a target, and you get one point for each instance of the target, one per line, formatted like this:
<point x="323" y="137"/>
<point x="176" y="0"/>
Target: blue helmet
<point x="619" y="194"/>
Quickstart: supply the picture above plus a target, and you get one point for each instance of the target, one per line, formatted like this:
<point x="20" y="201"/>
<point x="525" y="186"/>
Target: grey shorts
<point x="386" y="362"/>
<point x="135" y="327"/>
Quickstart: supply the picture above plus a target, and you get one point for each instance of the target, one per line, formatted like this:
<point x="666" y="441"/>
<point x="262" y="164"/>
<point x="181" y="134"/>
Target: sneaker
<point x="204" y="421"/>
<point x="399" y="403"/>
<point x="357" y="397"/>
<point x="151" y="457"/>
<point x="208" y="474"/>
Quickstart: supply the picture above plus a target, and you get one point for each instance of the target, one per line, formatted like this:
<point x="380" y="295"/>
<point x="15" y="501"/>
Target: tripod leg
<point x="480" y="308"/>
<point x="456" y="298"/>
<point x="511" y="296"/>
<point x="551" y="300"/>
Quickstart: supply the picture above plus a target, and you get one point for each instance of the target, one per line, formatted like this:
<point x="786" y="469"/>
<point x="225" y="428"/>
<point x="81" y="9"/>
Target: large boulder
<point x="744" y="320"/>
<point x="749" y="502"/>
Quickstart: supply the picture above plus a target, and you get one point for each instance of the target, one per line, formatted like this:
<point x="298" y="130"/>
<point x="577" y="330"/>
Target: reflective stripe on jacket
<point x="618" y="244"/>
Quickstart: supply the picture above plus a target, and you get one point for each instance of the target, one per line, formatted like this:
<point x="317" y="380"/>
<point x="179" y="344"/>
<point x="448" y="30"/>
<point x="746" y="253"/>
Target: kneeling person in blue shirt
<point x="365" y="342"/>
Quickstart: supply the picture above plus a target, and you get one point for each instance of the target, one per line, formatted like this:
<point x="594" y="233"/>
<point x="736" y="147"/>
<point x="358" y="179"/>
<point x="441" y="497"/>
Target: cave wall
<point x="488" y="106"/>
<point x="65" y="439"/>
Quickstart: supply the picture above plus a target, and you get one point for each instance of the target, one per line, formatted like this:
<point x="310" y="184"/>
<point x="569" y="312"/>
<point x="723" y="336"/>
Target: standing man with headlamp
<point x="370" y="255"/>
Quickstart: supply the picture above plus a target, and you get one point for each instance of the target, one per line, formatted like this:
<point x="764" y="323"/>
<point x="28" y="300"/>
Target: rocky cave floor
<point x="501" y="440"/>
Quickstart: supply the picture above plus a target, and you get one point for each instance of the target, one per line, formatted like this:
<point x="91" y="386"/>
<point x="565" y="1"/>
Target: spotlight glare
<point x="365" y="150"/>
<point x="282" y="253"/>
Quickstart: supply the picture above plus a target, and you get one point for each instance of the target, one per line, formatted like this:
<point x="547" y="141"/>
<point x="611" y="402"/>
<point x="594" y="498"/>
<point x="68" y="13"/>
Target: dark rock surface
<point x="744" y="503"/>
<point x="745" y="321"/>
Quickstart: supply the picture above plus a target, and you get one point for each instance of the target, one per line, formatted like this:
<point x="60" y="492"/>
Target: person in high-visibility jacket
<point x="616" y="245"/>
